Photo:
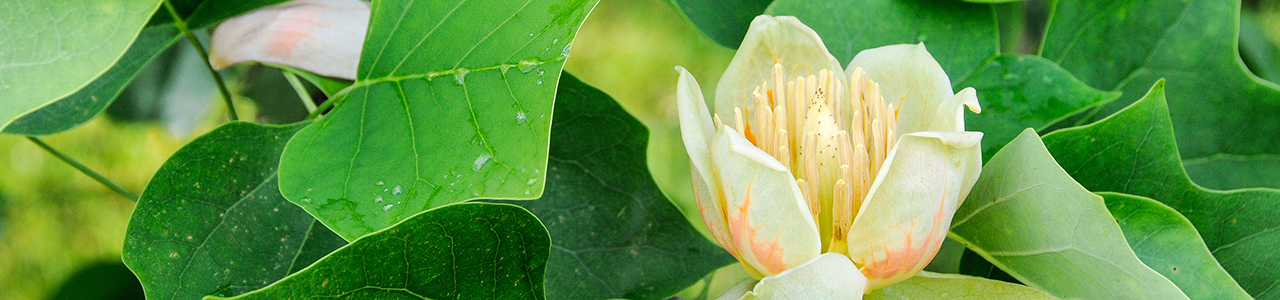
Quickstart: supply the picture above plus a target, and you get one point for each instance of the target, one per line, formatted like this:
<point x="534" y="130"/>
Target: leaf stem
<point x="83" y="169"/>
<point x="204" y="55"/>
<point x="302" y="91"/>
<point x="323" y="106"/>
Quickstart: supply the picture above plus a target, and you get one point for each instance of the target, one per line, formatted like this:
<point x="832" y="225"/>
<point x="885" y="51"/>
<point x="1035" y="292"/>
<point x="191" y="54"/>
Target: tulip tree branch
<point x="84" y="169"/>
<point x="204" y="56"/>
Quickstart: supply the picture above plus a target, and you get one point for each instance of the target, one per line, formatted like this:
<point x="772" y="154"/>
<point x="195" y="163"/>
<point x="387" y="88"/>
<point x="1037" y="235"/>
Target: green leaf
<point x="725" y="22"/>
<point x="460" y="251"/>
<point x="1134" y="152"/>
<point x="1029" y="218"/>
<point x="212" y="220"/>
<point x="90" y="100"/>
<point x="1167" y="243"/>
<point x="614" y="233"/>
<point x="1020" y="91"/>
<point x="928" y="285"/>
<point x="961" y="35"/>
<point x="1223" y="114"/>
<point x="49" y="51"/>
<point x="452" y="101"/>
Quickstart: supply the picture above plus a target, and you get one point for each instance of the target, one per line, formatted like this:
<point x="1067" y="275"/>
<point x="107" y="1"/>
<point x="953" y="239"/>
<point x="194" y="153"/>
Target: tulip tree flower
<point x="321" y="36"/>
<point x="866" y="164"/>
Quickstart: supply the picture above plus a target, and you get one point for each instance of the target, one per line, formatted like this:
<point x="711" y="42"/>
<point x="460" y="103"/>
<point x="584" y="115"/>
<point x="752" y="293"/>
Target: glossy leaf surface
<point x="1134" y="152"/>
<point x="212" y="220"/>
<point x="1029" y="218"/>
<point x="614" y="234"/>
<point x="461" y="251"/>
<point x="452" y="101"/>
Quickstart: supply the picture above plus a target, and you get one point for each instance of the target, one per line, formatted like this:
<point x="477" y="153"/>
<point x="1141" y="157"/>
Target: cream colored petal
<point x="770" y="40"/>
<point x="321" y="36"/>
<point x="831" y="276"/>
<point x="912" y="81"/>
<point x="696" y="131"/>
<point x="905" y="216"/>
<point x="767" y="217"/>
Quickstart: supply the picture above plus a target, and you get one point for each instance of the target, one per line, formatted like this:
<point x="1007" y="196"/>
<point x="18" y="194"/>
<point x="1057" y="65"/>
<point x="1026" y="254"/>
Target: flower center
<point x="833" y="137"/>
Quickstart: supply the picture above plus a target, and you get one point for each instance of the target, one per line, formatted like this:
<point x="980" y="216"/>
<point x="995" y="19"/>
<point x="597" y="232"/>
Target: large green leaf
<point x="453" y="101"/>
<point x="50" y="50"/>
<point x="960" y="35"/>
<point x="928" y="285"/>
<point x="90" y="100"/>
<point x="614" y="234"/>
<point x="724" y="21"/>
<point x="1167" y="243"/>
<point x="1020" y="91"/>
<point x="212" y="220"/>
<point x="460" y="251"/>
<point x="1134" y="152"/>
<point x="1029" y="218"/>
<point x="1224" y="116"/>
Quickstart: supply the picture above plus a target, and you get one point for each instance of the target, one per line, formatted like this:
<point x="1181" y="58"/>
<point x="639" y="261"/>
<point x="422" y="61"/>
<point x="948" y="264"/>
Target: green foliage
<point x="959" y="35"/>
<point x="445" y="108"/>
<point x="1021" y="91"/>
<point x="90" y="100"/>
<point x="460" y="251"/>
<point x="76" y="109"/>
<point x="1223" y="115"/>
<point x="1167" y="242"/>
<point x="1029" y="218"/>
<point x="51" y="50"/>
<point x="1134" y="152"/>
<point x="614" y="234"/>
<point x="929" y="285"/>
<point x="212" y="220"/>
<point x="724" y="21"/>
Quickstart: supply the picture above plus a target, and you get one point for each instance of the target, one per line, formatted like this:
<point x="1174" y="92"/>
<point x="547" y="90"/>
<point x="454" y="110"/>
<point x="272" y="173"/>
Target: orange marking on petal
<point x="295" y="26"/>
<point x="751" y="137"/>
<point x="909" y="259"/>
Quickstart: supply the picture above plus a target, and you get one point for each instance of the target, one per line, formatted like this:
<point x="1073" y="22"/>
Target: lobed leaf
<point x="1135" y="152"/>
<point x="1030" y="219"/>
<point x="452" y="102"/>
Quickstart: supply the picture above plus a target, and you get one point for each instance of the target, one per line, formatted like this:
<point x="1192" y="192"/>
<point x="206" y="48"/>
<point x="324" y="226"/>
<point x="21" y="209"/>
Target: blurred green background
<point x="56" y="222"/>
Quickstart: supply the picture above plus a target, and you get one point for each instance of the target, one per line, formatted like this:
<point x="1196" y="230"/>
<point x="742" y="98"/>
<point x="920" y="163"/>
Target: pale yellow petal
<point x="321" y="36"/>
<point x="696" y="131"/>
<point x="830" y="276"/>
<point x="905" y="216"/>
<point x="769" y="40"/>
<point x="767" y="217"/>
<point x="911" y="80"/>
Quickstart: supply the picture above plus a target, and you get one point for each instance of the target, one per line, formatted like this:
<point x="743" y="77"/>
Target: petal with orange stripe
<point x="768" y="219"/>
<point x="909" y="208"/>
